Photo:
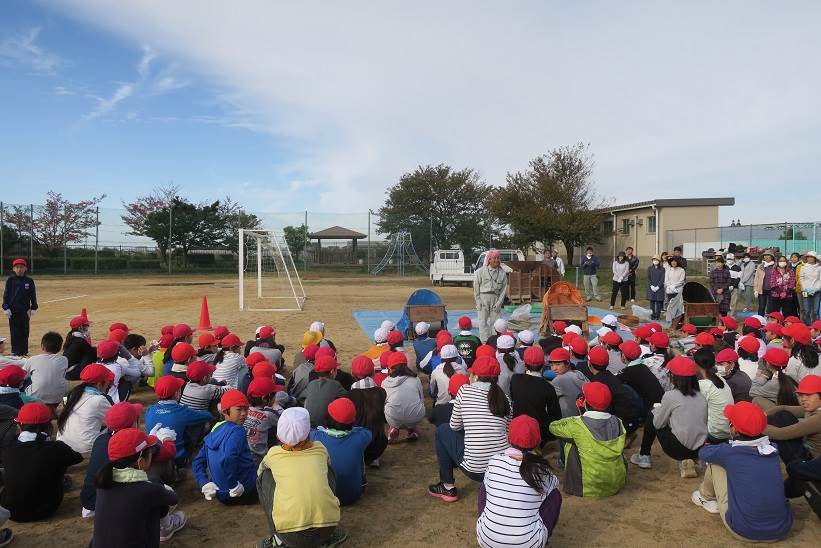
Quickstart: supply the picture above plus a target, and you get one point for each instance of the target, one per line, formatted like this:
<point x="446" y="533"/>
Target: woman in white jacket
<point x="81" y="419"/>
<point x="621" y="272"/>
<point x="810" y="283"/>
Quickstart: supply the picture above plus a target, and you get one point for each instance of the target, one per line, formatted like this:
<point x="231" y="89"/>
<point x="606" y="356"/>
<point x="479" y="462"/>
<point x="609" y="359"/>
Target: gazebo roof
<point x="337" y="233"/>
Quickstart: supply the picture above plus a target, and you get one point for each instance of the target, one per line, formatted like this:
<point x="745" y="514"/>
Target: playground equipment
<point x="423" y="305"/>
<point x="401" y="253"/>
<point x="267" y="268"/>
<point x="562" y="302"/>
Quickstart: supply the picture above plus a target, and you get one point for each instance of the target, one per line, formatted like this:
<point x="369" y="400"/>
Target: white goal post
<point x="268" y="279"/>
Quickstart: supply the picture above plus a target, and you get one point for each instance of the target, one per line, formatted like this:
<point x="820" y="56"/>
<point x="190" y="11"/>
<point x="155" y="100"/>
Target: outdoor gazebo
<point x="337" y="233"/>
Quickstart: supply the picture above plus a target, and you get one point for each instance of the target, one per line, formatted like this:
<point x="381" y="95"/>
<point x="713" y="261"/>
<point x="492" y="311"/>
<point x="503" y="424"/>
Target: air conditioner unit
<point x="640" y="222"/>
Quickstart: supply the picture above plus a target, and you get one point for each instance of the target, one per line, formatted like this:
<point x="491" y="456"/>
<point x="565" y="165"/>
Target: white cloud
<point x="22" y="49"/>
<point x="677" y="100"/>
<point x="62" y="90"/>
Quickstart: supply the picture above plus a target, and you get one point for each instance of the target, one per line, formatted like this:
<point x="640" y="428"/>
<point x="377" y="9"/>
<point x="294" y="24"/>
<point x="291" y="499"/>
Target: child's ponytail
<point x="497" y="401"/>
<point x="786" y="390"/>
<point x="447" y="367"/>
<point x="71" y="401"/>
<point x="167" y="356"/>
<point x="509" y="359"/>
<point x="534" y="470"/>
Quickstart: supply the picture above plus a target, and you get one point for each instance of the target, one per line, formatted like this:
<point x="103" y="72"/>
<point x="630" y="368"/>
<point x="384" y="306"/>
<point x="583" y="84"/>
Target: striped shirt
<point x="228" y="369"/>
<point x="200" y="396"/>
<point x="485" y="433"/>
<point x="511" y="514"/>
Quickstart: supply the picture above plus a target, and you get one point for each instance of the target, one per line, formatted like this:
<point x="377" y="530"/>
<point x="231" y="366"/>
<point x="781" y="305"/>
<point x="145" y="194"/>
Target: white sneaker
<point x="632" y="300"/>
<point x="611" y="308"/>
<point x="173" y="523"/>
<point x="642" y="461"/>
<point x="688" y="468"/>
<point x="709" y="505"/>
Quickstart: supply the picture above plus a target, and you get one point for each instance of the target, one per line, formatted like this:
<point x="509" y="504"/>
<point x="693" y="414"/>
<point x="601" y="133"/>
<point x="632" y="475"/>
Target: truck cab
<point x="448" y="265"/>
<point x="505" y="255"/>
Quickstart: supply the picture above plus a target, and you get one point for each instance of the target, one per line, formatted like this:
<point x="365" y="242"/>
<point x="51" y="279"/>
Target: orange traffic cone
<point x="205" y="318"/>
<point x="84" y="314"/>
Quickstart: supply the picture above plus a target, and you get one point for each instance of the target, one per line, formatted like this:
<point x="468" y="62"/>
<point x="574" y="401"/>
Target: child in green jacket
<point x="594" y="448"/>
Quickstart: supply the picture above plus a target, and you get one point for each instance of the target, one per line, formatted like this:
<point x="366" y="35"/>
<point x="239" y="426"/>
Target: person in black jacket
<point x="77" y="349"/>
<point x="638" y="376"/>
<point x="8" y="430"/>
<point x="35" y="466"/>
<point x="623" y="405"/>
<point x="533" y="395"/>
<point x="19" y="305"/>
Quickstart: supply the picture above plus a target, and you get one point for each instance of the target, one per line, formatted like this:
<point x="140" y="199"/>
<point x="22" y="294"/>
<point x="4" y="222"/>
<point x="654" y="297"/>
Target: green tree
<point x="791" y="233"/>
<point x="192" y="226"/>
<point x="440" y="207"/>
<point x="297" y="238"/>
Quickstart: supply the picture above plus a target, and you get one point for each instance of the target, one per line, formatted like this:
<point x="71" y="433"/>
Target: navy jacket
<point x="19" y="296"/>
<point x="422" y="346"/>
<point x="589" y="266"/>
<point x="225" y="459"/>
<point x="98" y="459"/>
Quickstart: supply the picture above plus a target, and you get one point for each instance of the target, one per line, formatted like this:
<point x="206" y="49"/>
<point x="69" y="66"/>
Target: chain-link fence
<point x="784" y="238"/>
<point x="62" y="239"/>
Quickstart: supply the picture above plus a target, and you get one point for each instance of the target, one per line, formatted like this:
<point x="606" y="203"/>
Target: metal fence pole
<point x="65" y="241"/>
<point x="96" y="239"/>
<point x="307" y="241"/>
<point x="751" y="237"/>
<point x="170" y="224"/>
<point x="31" y="238"/>
<point x="369" y="241"/>
<point x="2" y="211"/>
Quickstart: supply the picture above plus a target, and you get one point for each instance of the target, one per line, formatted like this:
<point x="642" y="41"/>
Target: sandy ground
<point x="652" y="510"/>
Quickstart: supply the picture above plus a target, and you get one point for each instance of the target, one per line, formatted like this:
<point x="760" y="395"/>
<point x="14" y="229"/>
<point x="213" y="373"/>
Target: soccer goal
<point x="268" y="279"/>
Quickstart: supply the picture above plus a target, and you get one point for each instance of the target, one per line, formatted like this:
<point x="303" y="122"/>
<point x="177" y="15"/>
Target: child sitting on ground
<point x="738" y="381"/>
<point x="224" y="467"/>
<point x="404" y="399"/>
<point x="449" y="365"/>
<point x="11" y="378"/>
<point x="509" y="360"/>
<point x="369" y="400"/>
<point x="441" y="413"/>
<point x="716" y="392"/>
<point x="323" y="390"/>
<point x="34" y="467"/>
<point x="48" y="371"/>
<point x="169" y="413"/>
<point x="109" y="352"/>
<point x="742" y="481"/>
<point x="207" y="343"/>
<point x="81" y="419"/>
<point x="199" y="393"/>
<point x="594" y="446"/>
<point x="346" y="445"/>
<point x="533" y="395"/>
<point x="182" y="354"/>
<point x="567" y="382"/>
<point x="301" y="375"/>
<point x="261" y="424"/>
<point x="466" y="342"/>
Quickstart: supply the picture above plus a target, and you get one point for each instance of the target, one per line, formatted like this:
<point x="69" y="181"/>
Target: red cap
<point x="597" y="395"/>
<point x="129" y="442"/>
<point x="747" y="418"/>
<point x="749" y="344"/>
<point x="342" y="410"/>
<point x="198" y="370"/>
<point x="534" y="355"/>
<point x="325" y="364"/>
<point x="310" y="352"/>
<point x="118" y="325"/>
<point x="443" y="338"/>
<point x="166" y="340"/>
<point x="774" y="328"/>
<point x="776" y="357"/>
<point x="816" y="325"/>
<point x="811" y="384"/>
<point x="17" y="261"/>
<point x="167" y="330"/>
<point x="182" y="352"/>
<point x="261" y="387"/>
<point x="485" y="351"/>
<point x="456" y="382"/>
<point x="524" y="432"/>
<point x="167" y="385"/>
<point x="727" y="355"/>
<point x="705" y="339"/>
<point x="630" y="349"/>
<point x="265" y="331"/>
<point x="230" y="340"/>
<point x="792" y="319"/>
<point x="78" y="321"/>
<point x="122" y="415"/>
<point x="568" y="337"/>
<point x="233" y="398"/>
<point x="465" y="324"/>
<point x="325" y="351"/>
<point x="682" y="366"/>
<point x="752" y="322"/>
<point x="12" y="375"/>
<point x="397" y="358"/>
<point x="798" y="332"/>
<point x="395" y="338"/>
<point x="689" y="329"/>
<point x="384" y="357"/>
<point x="659" y="340"/>
<point x="729" y="322"/>
<point x="206" y="339"/>
<point x="95" y="373"/>
<point x="263" y="369"/>
<point x="716" y="332"/>
<point x="643" y="332"/>
<point x="486" y="367"/>
<point x="611" y="338"/>
<point x="579" y="346"/>
<point x="559" y="326"/>
<point x="559" y="354"/>
<point x="117" y="335"/>
<point x="255" y="358"/>
<point x="598" y="356"/>
<point x="656" y="327"/>
<point x="777" y="316"/>
<point x="34" y="413"/>
<point x="107" y="349"/>
<point x="181" y="331"/>
<point x="220" y="332"/>
<point x="362" y="367"/>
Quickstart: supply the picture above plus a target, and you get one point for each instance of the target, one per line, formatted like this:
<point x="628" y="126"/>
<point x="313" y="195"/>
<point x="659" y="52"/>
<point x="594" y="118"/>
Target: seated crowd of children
<point x="734" y="405"/>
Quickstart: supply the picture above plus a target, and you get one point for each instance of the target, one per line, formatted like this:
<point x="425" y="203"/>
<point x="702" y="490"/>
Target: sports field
<point x="654" y="508"/>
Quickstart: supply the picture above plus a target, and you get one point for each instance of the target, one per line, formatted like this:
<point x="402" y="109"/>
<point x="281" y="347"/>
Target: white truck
<point x="448" y="265"/>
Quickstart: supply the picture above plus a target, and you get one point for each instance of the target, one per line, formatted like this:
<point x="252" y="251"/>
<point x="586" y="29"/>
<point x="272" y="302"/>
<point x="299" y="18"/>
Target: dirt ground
<point x="653" y="509"/>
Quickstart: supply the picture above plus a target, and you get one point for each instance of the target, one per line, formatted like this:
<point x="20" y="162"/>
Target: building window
<point x="625" y="226"/>
<point x="607" y="227"/>
<point x="651" y="224"/>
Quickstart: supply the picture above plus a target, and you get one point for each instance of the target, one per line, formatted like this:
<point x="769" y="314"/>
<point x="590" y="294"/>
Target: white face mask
<point x="655" y="262"/>
<point x="746" y="259"/>
<point x="782" y="264"/>
<point x="722" y="371"/>
<point x="589" y="255"/>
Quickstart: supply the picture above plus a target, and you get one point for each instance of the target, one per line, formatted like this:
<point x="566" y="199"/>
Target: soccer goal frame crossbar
<point x="279" y="248"/>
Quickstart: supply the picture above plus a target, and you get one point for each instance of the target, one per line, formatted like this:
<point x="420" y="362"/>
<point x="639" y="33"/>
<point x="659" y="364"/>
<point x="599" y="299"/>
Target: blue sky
<point x="289" y="106"/>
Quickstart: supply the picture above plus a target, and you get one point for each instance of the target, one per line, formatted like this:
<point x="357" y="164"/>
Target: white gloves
<point x="164" y="434"/>
<point x="756" y="294"/>
<point x="741" y="286"/>
<point x="155" y="429"/>
<point x="209" y="490"/>
<point x="654" y="288"/>
<point x="237" y="491"/>
<point x="32" y="312"/>
<point x="7" y="312"/>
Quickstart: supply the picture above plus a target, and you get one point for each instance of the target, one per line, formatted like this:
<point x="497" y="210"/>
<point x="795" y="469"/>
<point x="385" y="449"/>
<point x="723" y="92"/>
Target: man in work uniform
<point x="489" y="288"/>
<point x="19" y="305"/>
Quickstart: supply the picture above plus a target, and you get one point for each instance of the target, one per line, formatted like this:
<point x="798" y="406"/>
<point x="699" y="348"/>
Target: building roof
<point x="337" y="233"/>
<point x="675" y="202"/>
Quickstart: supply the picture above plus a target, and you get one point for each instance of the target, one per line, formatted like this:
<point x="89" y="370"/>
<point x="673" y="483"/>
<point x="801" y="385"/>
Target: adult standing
<point x="761" y="283"/>
<point x="746" y="282"/>
<point x="590" y="266"/>
<point x="677" y="254"/>
<point x="810" y="278"/>
<point x="735" y="279"/>
<point x="548" y="259"/>
<point x="559" y="262"/>
<point x="489" y="289"/>
<point x="633" y="262"/>
<point x="19" y="305"/>
<point x="655" y="287"/>
<point x="720" y="281"/>
<point x="621" y="276"/>
<point x="782" y="288"/>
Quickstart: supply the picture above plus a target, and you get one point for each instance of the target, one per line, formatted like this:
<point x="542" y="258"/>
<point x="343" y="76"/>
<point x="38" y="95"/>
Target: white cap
<point x="573" y="329"/>
<point x="421" y="328"/>
<point x="500" y="325"/>
<point x="504" y="342"/>
<point x="293" y="425"/>
<point x="380" y="335"/>
<point x="526" y="337"/>
<point x="811" y="254"/>
<point x="387" y="324"/>
<point x="730" y="256"/>
<point x="602" y="331"/>
<point x="761" y="319"/>
<point x="610" y="319"/>
<point x="448" y="351"/>
<point x="317" y="327"/>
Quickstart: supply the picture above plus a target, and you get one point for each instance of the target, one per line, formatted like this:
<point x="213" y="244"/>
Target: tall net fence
<point x="784" y="238"/>
<point x="269" y="279"/>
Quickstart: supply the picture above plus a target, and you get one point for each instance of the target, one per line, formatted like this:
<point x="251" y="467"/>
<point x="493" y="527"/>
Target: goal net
<point x="268" y="279"/>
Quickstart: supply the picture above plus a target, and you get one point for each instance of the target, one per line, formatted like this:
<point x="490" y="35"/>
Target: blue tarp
<point x="419" y="297"/>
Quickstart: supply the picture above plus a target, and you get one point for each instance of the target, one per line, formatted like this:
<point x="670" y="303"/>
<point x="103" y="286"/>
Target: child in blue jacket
<point x="171" y="414"/>
<point x="224" y="466"/>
